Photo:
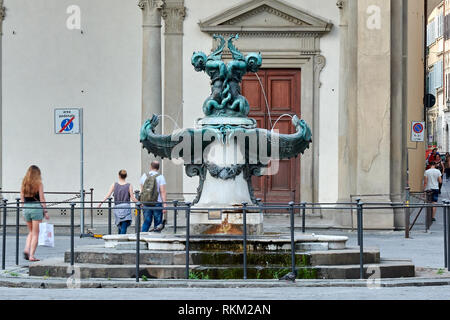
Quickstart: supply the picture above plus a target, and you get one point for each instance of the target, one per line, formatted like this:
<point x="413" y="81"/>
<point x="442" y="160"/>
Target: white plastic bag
<point x="46" y="235"/>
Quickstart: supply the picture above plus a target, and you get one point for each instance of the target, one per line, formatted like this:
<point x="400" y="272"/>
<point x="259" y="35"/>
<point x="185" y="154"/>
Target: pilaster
<point x="173" y="14"/>
<point x="151" y="65"/>
<point x="2" y="17"/>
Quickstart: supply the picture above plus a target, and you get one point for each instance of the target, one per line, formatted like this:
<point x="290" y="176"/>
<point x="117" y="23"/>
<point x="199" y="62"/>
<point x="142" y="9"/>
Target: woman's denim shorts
<point x="32" y="211"/>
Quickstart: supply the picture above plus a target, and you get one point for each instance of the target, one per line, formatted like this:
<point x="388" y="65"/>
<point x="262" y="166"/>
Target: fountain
<point x="225" y="149"/>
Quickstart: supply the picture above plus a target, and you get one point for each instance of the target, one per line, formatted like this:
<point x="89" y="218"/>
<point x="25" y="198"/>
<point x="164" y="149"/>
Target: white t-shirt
<point x="433" y="179"/>
<point x="160" y="181"/>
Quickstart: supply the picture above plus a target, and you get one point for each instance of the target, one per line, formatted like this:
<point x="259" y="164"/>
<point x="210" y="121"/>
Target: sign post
<point x="70" y="121"/>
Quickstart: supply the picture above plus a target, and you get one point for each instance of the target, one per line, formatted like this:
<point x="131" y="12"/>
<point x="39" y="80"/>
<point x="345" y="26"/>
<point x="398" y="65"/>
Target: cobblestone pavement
<point x="407" y="293"/>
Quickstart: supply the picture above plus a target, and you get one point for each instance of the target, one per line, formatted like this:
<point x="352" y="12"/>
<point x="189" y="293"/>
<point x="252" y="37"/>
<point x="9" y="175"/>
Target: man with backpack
<point x="153" y="194"/>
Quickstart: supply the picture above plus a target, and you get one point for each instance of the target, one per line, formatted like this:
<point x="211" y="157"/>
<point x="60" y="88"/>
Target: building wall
<point x="48" y="66"/>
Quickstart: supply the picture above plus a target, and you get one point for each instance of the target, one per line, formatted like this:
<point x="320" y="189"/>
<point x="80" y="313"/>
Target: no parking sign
<point x="418" y="131"/>
<point x="67" y="121"/>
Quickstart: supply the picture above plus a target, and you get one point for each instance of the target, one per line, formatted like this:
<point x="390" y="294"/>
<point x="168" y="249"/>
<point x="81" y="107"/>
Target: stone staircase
<point x="163" y="256"/>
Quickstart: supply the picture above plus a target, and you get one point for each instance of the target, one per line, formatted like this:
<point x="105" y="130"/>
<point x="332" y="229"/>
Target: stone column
<point x="348" y="106"/>
<point x="173" y="14"/>
<point x="151" y="66"/>
<point x="2" y="17"/>
<point x="398" y="106"/>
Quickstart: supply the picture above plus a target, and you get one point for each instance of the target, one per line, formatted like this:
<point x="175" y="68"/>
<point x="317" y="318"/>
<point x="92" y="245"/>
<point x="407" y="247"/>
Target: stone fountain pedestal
<point x="220" y="192"/>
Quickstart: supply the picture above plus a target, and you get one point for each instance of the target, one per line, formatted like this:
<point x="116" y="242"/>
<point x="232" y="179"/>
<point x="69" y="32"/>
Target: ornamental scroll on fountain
<point x="225" y="149"/>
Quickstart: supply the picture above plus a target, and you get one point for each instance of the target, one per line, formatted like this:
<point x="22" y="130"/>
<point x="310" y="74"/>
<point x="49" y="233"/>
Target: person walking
<point x="123" y="192"/>
<point x="432" y="157"/>
<point x="34" y="209"/>
<point x="432" y="178"/>
<point x="447" y="166"/>
<point x="153" y="195"/>
<point x="440" y="167"/>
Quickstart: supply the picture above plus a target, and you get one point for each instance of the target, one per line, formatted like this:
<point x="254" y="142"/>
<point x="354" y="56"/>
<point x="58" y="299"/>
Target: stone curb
<point x="62" y="283"/>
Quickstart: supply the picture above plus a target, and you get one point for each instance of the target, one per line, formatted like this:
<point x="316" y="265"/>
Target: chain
<point x="64" y="201"/>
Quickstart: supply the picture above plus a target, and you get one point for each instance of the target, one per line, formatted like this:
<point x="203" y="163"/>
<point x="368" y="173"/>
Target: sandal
<point x="26" y="256"/>
<point x="34" y="260"/>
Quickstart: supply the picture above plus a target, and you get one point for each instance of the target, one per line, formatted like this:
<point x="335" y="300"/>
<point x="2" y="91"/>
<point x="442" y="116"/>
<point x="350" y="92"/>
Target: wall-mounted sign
<point x="418" y="131"/>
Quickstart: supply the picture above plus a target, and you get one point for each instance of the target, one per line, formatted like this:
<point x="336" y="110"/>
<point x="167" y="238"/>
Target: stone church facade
<point x="351" y="69"/>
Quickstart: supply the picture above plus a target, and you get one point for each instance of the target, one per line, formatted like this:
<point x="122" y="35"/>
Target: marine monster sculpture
<point x="226" y="122"/>
<point x="226" y="98"/>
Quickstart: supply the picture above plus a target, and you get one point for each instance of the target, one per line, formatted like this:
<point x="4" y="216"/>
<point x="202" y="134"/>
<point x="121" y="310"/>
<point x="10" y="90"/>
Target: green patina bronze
<point x="226" y="99"/>
<point x="226" y="120"/>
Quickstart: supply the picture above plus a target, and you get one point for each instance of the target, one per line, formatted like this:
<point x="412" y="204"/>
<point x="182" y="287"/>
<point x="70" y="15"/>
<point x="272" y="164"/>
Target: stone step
<point x="385" y="269"/>
<point x="101" y="255"/>
<point x="58" y="268"/>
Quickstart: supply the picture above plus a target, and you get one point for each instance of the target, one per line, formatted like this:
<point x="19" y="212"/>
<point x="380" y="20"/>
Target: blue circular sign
<point x="69" y="127"/>
<point x="418" y="128"/>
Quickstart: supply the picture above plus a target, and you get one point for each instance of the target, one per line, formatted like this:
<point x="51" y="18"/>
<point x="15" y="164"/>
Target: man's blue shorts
<point x="433" y="195"/>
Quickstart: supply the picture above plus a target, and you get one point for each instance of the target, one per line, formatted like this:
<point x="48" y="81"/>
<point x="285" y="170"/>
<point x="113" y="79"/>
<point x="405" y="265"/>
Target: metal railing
<point x="259" y="207"/>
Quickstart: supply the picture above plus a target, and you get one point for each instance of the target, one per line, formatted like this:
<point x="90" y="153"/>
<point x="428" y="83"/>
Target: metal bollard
<point x="244" y="214"/>
<point x="72" y="232"/>
<point x="446" y="202"/>
<point x="303" y="217"/>
<point x="138" y="239"/>
<point x="407" y="211"/>
<point x="291" y="211"/>
<point x="188" y="215"/>
<point x="5" y="203"/>
<point x="175" y="214"/>
<point x="17" y="230"/>
<point x="360" y="236"/>
<point x="109" y="215"/>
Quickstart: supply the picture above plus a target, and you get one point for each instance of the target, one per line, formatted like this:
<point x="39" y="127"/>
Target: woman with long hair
<point x="34" y="208"/>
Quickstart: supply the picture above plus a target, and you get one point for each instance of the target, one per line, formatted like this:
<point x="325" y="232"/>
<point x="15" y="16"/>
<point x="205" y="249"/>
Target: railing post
<point x="446" y="203"/>
<point x="188" y="215"/>
<point x="407" y="211"/>
<point x="72" y="232"/>
<point x="303" y="217"/>
<point x="291" y="211"/>
<point x="17" y="230"/>
<point x="138" y="236"/>
<point x="244" y="215"/>
<point x="358" y="200"/>
<point x="175" y="214"/>
<point x="5" y="203"/>
<point x="429" y="212"/>
<point x="109" y="215"/>
<point x="137" y="196"/>
<point x="360" y="233"/>
<point x="92" y="208"/>
<point x="448" y="235"/>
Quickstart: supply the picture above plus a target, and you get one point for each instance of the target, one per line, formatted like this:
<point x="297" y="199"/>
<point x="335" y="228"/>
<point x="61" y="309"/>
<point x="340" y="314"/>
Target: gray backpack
<point x="150" y="189"/>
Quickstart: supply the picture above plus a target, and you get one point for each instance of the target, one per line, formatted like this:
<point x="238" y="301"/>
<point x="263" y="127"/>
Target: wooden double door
<point x="281" y="96"/>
